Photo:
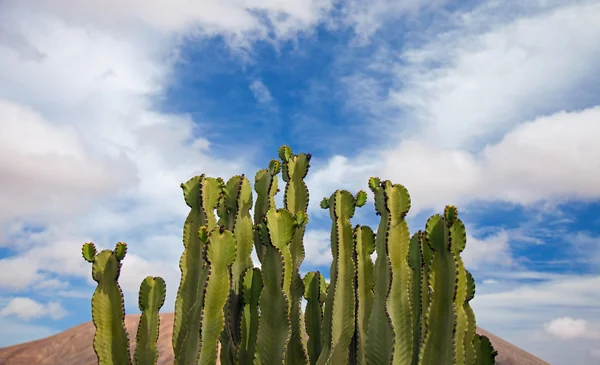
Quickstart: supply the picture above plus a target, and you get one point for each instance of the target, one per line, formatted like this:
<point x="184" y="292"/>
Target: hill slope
<point x="74" y="347"/>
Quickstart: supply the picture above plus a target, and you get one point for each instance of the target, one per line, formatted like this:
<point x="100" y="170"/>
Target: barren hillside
<point x="74" y="347"/>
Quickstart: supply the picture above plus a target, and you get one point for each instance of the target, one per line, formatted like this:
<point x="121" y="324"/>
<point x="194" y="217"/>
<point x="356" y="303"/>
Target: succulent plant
<point x="409" y="307"/>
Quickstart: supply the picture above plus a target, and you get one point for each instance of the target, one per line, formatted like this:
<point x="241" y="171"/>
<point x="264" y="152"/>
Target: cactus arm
<point x="340" y="304"/>
<point x="252" y="286"/>
<point x="471" y="325"/>
<point x="151" y="298"/>
<point x="427" y="257"/>
<point x="295" y="199"/>
<point x="379" y="333"/>
<point x="315" y="293"/>
<point x="365" y="246"/>
<point x="398" y="302"/>
<point x="438" y="347"/>
<point x="486" y="355"/>
<point x="274" y="327"/>
<point x="111" y="341"/>
<point x="265" y="185"/>
<point x="235" y="216"/>
<point x="458" y="238"/>
<point x="220" y="255"/>
<point x="201" y="194"/>
<point x="415" y="262"/>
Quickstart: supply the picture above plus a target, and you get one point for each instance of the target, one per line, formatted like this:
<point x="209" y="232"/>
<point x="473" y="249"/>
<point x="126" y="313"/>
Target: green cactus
<point x="265" y="185"/>
<point x="295" y="199"/>
<point x="410" y="307"/>
<point x="486" y="355"/>
<point x="416" y="262"/>
<point x="202" y="195"/>
<point x="111" y="341"/>
<point x="152" y="297"/>
<point x="315" y="292"/>
<point x="274" y="328"/>
<point x="220" y="254"/>
<point x="338" y="321"/>
<point x="234" y="215"/>
<point x="439" y="346"/>
<point x="470" y="354"/>
<point x="380" y="336"/>
<point x="398" y="302"/>
<point x="364" y="239"/>
<point x="251" y="289"/>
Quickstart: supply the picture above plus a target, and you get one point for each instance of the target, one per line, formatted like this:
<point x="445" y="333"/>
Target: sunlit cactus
<point x="409" y="307"/>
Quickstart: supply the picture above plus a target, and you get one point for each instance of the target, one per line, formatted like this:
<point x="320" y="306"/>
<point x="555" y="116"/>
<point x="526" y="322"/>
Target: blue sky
<point x="491" y="106"/>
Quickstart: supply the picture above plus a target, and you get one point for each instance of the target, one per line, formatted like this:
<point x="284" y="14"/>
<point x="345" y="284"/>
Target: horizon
<point x="493" y="107"/>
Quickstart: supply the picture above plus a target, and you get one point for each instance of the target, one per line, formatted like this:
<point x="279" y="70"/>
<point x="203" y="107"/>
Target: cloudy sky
<point x="105" y="108"/>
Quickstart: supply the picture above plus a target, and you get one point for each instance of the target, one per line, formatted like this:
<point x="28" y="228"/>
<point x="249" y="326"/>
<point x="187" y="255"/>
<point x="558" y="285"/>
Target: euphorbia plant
<point x="409" y="307"/>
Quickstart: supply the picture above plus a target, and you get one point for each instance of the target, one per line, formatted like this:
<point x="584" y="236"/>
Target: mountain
<point x="74" y="347"/>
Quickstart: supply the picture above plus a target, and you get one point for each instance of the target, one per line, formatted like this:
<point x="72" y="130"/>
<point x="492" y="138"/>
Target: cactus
<point x="315" y="294"/>
<point x="295" y="199"/>
<point x="220" y="253"/>
<point x="340" y="305"/>
<point x="111" y="341"/>
<point x="274" y="328"/>
<point x="152" y="297"/>
<point x="364" y="238"/>
<point x="410" y="307"/>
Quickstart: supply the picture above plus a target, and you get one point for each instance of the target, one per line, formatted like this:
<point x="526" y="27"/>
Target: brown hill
<point x="74" y="347"/>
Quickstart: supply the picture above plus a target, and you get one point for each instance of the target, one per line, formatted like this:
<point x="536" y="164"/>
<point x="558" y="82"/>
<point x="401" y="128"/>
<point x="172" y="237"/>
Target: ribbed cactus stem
<point x="458" y="237"/>
<point x="234" y="215"/>
<point x="151" y="298"/>
<point x="380" y="336"/>
<point x="470" y="355"/>
<point x="295" y="199"/>
<point x="398" y="304"/>
<point x="202" y="195"/>
<point x="274" y="327"/>
<point x="486" y="355"/>
<point x="251" y="289"/>
<point x="364" y="239"/>
<point x="265" y="185"/>
<point x="416" y="264"/>
<point x="315" y="292"/>
<point x="220" y="254"/>
<point x="439" y="347"/>
<point x="341" y="297"/>
<point x="111" y="341"/>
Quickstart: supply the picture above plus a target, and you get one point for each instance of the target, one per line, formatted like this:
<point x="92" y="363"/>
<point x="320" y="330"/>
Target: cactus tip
<point x="120" y="250"/>
<point x="374" y="183"/>
<point x="361" y="198"/>
<point x="88" y="251"/>
<point x="325" y="203"/>
<point x="451" y="214"/>
<point x="203" y="234"/>
<point x="285" y="152"/>
<point x="274" y="167"/>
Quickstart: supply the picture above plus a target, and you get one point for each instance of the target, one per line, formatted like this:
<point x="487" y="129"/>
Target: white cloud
<point x="241" y="21"/>
<point x="317" y="247"/>
<point x="27" y="309"/>
<point x="87" y="156"/>
<point x="570" y="328"/>
<point x="493" y="250"/>
<point x="515" y="169"/>
<point x="368" y="17"/>
<point x="261" y="92"/>
<point x="471" y="84"/>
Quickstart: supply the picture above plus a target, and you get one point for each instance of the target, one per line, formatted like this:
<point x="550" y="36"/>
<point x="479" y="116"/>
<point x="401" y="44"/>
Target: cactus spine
<point x="410" y="307"/>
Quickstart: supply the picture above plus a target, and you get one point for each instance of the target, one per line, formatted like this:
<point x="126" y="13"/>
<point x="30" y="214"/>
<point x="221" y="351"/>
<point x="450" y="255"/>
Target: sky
<point x="105" y="108"/>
